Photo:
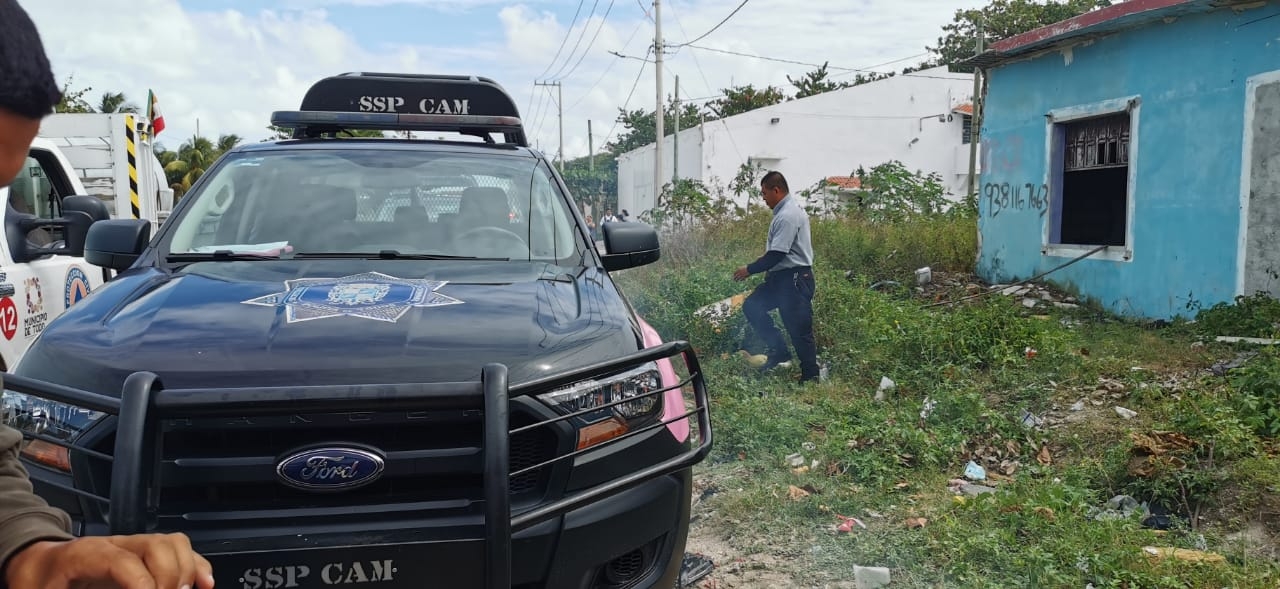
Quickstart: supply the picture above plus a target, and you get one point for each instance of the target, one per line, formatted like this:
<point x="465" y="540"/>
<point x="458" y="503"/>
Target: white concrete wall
<point x="635" y="169"/>
<point x="830" y="134"/>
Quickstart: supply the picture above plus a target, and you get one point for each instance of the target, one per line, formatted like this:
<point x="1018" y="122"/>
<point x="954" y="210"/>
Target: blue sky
<point x="229" y="63"/>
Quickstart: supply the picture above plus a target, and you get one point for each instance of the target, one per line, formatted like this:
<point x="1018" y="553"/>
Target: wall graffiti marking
<point x="1006" y="196"/>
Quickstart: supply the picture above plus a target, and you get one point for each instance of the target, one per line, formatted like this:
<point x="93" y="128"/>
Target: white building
<point x="920" y="119"/>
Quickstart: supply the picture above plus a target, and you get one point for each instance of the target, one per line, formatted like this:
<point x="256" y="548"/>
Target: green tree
<point x="640" y="127"/>
<point x="282" y="133"/>
<point x="816" y="82"/>
<point x="183" y="167"/>
<point x="1002" y="19"/>
<point x="595" y="186"/>
<point x="73" y="100"/>
<point x="740" y="99"/>
<point x="115" y="102"/>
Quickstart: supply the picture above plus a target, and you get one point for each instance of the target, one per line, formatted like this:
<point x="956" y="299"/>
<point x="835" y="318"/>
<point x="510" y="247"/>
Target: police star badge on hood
<point x="371" y="295"/>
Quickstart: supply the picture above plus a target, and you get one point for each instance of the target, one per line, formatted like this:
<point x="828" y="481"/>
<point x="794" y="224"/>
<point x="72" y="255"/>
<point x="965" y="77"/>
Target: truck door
<point x="42" y="289"/>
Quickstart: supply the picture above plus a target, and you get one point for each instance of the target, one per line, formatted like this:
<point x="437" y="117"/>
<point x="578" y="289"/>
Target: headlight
<point x="610" y="420"/>
<point x="52" y="419"/>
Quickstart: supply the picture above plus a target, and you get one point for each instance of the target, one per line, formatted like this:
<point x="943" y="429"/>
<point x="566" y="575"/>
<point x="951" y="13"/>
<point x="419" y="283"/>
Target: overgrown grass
<point x="968" y="364"/>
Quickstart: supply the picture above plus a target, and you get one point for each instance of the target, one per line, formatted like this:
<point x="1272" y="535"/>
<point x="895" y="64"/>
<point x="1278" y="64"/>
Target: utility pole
<point x="560" y="116"/>
<point x="660" y="113"/>
<point x="975" y="120"/>
<point x="675" y="139"/>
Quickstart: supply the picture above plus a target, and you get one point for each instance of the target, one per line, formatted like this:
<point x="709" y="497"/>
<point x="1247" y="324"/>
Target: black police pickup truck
<point x="382" y="363"/>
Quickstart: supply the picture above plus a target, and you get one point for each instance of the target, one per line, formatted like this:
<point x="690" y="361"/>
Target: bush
<point x="1254" y="316"/>
<point x="1257" y="385"/>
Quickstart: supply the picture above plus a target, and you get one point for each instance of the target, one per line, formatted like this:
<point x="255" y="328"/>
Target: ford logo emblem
<point x="330" y="468"/>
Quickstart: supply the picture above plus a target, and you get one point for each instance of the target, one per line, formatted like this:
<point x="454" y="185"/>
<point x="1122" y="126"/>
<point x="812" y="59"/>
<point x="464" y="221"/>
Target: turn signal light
<point x="601" y="431"/>
<point x="48" y="454"/>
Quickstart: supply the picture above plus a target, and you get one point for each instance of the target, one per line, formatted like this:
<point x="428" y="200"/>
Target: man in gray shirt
<point x="788" y="284"/>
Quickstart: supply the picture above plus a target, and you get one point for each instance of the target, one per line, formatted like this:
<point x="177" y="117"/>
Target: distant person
<point x="37" y="550"/>
<point x="788" y="284"/>
<point x="609" y="217"/>
<point x="591" y="227"/>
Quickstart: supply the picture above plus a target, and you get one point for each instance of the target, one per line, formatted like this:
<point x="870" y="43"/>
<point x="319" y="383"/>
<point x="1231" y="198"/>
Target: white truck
<point x="81" y="168"/>
<point x="114" y="157"/>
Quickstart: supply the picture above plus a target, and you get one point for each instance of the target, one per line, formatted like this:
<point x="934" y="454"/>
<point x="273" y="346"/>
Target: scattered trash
<point x="694" y="568"/>
<point x="800" y="470"/>
<point x="873" y="514"/>
<point x="824" y="372"/>
<point x="963" y="487"/>
<point x="886" y="386"/>
<point x="884" y="283"/>
<point x="974" y="472"/>
<point x="1158" y="443"/>
<point x="716" y="313"/>
<point x="754" y="361"/>
<point x="924" y="276"/>
<point x="1222" y="367"/>
<point x="1043" y="457"/>
<point x="1126" y="413"/>
<point x="927" y="409"/>
<point x="1066" y="305"/>
<point x="916" y="522"/>
<point x="1183" y="554"/>
<point x="1119" y="507"/>
<point x="1030" y="419"/>
<point x="795" y="460"/>
<point x="1030" y="303"/>
<point x="1030" y="352"/>
<point x="1195" y="345"/>
<point x="809" y="446"/>
<point x="1046" y="513"/>
<point x="847" y="523"/>
<point x="1012" y="290"/>
<point x="1078" y="405"/>
<point x="870" y="577"/>
<point x="797" y="493"/>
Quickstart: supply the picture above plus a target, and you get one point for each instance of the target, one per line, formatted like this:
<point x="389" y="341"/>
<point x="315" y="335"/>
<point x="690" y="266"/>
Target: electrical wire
<point x="626" y="102"/>
<point x="713" y="29"/>
<point x="582" y="33"/>
<point x="567" y="32"/>
<point x="603" y="20"/>
<point x="703" y="75"/>
<point x="606" y="69"/>
<point x="644" y="10"/>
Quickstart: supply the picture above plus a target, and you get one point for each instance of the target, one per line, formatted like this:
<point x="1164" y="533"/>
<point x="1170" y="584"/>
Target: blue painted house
<point x="1147" y="133"/>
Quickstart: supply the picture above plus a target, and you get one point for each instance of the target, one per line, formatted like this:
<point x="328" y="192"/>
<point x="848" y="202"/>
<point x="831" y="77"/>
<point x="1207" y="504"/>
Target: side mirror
<point x="629" y="244"/>
<point x="79" y="212"/>
<point x="117" y="243"/>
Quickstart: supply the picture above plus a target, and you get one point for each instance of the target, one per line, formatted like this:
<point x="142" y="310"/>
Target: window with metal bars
<point x="1094" y="186"/>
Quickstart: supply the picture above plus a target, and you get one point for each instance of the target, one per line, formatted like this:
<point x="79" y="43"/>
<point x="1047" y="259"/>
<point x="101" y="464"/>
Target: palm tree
<point x="115" y="102"/>
<point x="183" y="167"/>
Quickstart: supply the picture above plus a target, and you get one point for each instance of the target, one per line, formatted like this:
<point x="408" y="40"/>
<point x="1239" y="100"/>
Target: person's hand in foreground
<point x="144" y="561"/>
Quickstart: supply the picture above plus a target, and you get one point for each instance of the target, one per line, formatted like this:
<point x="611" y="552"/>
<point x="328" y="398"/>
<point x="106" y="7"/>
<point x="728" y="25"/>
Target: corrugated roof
<point x="966" y="108"/>
<point x="1117" y="17"/>
<point x="845" y="182"/>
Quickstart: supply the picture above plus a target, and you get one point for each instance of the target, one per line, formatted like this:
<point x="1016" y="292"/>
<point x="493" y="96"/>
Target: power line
<point x="872" y="67"/>
<point x="703" y="75"/>
<point x="713" y="29"/>
<point x="567" y="32"/>
<point x="625" y="103"/>
<point x="867" y="70"/>
<point x="603" y="20"/>
<point x="644" y="10"/>
<point x="578" y="43"/>
<point x="606" y="70"/>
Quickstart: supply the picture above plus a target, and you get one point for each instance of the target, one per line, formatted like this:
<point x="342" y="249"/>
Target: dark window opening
<point x="966" y="136"/>
<point x="1095" y="181"/>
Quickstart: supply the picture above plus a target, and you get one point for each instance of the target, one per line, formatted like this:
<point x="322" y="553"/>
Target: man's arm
<point x="25" y="518"/>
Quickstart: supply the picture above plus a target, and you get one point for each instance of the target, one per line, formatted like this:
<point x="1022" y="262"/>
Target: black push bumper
<point x="576" y="530"/>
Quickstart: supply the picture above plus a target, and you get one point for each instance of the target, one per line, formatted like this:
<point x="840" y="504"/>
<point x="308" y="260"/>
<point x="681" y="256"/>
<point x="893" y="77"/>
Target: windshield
<point x="361" y="201"/>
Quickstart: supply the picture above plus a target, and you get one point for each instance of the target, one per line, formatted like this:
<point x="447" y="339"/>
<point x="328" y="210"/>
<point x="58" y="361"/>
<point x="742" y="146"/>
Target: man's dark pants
<point x="789" y="291"/>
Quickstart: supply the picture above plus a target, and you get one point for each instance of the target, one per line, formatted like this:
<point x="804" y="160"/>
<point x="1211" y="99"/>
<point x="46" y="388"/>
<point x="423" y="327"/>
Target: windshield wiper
<point x="390" y="255"/>
<point x="218" y="256"/>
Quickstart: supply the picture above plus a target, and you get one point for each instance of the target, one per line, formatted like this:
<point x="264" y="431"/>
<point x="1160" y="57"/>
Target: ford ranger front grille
<point x="167" y="455"/>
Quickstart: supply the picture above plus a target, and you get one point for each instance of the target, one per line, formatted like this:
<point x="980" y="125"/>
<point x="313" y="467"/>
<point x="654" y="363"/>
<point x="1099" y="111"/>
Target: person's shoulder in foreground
<point x="37" y="550"/>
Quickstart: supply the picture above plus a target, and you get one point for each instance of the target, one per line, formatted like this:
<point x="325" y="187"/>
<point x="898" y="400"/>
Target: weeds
<point x="886" y="461"/>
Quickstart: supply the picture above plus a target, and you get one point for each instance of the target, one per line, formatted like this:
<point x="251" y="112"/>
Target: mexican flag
<point x="153" y="114"/>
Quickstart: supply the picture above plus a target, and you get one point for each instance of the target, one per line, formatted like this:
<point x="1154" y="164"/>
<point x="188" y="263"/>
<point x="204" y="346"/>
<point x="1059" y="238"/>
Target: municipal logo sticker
<point x="371" y="295"/>
<point x="77" y="286"/>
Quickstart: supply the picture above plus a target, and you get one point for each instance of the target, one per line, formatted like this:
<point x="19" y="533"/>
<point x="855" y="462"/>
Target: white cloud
<point x="230" y="68"/>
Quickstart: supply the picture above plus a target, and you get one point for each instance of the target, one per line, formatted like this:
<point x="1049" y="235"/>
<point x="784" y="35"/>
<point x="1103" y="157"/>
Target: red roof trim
<point x="1088" y="19"/>
<point x="846" y="182"/>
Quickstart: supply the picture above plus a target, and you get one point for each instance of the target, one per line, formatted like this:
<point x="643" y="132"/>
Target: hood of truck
<point x="319" y="322"/>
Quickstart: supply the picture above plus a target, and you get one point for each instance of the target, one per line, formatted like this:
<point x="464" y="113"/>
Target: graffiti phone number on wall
<point x="1006" y="196"/>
